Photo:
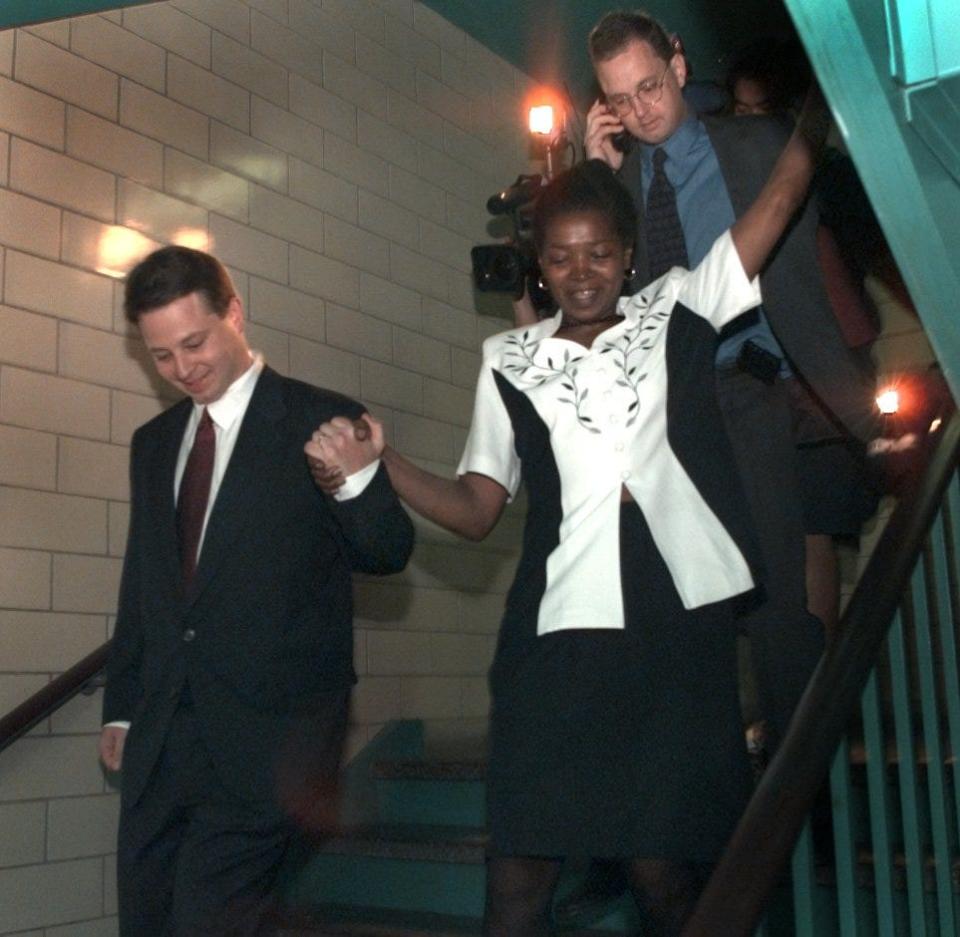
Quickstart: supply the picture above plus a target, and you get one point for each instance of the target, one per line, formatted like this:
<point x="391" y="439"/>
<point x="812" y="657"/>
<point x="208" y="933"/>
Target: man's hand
<point x="112" y="739"/>
<point x="341" y="448"/>
<point x="602" y="126"/>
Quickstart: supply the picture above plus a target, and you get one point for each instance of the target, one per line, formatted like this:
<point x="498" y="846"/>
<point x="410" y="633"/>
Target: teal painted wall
<point x="20" y="12"/>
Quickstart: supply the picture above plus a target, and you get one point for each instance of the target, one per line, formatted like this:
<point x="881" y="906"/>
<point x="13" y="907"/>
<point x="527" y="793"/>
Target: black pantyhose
<point x="519" y="893"/>
<point x="666" y="893"/>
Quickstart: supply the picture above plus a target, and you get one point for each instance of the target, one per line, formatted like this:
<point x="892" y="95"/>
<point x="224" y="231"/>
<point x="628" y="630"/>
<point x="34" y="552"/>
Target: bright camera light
<point x="541" y="119"/>
<point x="888" y="401"/>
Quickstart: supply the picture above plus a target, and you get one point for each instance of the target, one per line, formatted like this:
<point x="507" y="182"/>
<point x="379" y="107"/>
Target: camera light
<point x="541" y="119"/>
<point x="888" y="401"/>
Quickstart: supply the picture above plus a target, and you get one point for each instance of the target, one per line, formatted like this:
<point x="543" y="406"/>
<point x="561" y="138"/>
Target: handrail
<point x="50" y="698"/>
<point x="733" y="901"/>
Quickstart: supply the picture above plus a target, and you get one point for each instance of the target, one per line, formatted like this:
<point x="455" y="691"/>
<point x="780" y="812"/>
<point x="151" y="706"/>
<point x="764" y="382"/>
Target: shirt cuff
<point x="356" y="483"/>
<point x="119" y="724"/>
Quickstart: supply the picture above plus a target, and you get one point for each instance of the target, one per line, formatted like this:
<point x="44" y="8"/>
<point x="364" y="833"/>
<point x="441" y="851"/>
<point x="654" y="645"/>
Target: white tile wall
<point x="330" y="153"/>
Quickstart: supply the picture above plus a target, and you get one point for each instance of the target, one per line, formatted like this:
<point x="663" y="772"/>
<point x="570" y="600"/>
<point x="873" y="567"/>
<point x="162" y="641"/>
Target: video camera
<point x="512" y="268"/>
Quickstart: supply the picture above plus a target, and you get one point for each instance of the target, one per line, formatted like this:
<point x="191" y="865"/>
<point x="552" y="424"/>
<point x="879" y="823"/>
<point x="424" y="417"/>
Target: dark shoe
<point x="605" y="881"/>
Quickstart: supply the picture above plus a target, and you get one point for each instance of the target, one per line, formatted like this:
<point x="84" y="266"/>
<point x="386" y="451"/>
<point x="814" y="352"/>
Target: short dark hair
<point x="172" y="272"/>
<point x="618" y="28"/>
<point x="589" y="186"/>
<point x="779" y="66"/>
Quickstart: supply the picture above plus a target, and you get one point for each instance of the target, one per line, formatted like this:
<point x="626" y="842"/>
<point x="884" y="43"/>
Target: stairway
<point x="410" y="860"/>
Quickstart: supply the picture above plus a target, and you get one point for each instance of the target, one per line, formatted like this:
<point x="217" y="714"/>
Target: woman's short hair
<point x="588" y="186"/>
<point x="172" y="272"/>
<point x="619" y="28"/>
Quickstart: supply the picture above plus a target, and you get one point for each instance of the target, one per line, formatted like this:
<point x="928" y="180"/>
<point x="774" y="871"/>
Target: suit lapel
<point x="257" y="454"/>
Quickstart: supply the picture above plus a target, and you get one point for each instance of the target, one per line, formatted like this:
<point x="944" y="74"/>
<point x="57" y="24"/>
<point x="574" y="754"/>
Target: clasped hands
<point x="343" y="447"/>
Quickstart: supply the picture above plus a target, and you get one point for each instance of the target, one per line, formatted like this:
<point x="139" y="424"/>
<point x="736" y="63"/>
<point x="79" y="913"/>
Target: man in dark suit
<point x="231" y="666"/>
<point x="715" y="167"/>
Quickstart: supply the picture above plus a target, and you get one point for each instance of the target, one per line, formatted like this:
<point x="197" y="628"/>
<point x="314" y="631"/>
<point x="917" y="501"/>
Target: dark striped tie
<point x="666" y="245"/>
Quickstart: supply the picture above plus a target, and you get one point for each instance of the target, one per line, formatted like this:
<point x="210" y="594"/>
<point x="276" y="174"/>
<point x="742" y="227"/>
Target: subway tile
<point x="27" y="458"/>
<point x="81" y="715"/>
<point x="419" y="195"/>
<point x="325" y="367"/>
<point x="4" y="159"/>
<point x="446" y="402"/>
<point x="454" y="177"/>
<point x="470" y="219"/>
<point x="24" y="830"/>
<point x="130" y="411"/>
<point x="175" y="31"/>
<point x="463" y="294"/>
<point x="96" y="357"/>
<point x="45" y="286"/>
<point x="286" y="131"/>
<point x="346" y="242"/>
<point x="431" y="24"/>
<point x="100" y="927"/>
<point x="31" y="114"/>
<point x="53" y="177"/>
<point x="240" y="64"/>
<point x="475" y="699"/>
<point x="395" y="71"/>
<point x="27" y="339"/>
<point x="93" y="468"/>
<point x="388" y="219"/>
<point x="287" y="46"/>
<point x="458" y="72"/>
<point x="386" y="300"/>
<point x="399" y="652"/>
<point x="197" y="181"/>
<point x="161" y="216"/>
<point x="376" y="699"/>
<point x="322" y="276"/>
<point x="382" y="604"/>
<point x="54" y="31"/>
<point x="278" y="10"/>
<point x="118" y="50"/>
<point x="322" y="29"/>
<point x="107" y="249"/>
<point x="444" y="245"/>
<point x="273" y="344"/>
<point x="82" y="826"/>
<point x="286" y="218"/>
<point x="322" y="107"/>
<point x="480" y="612"/>
<point x="449" y="324"/>
<point x="425" y="438"/>
<point x="40" y="520"/>
<point x="248" y="157"/>
<point x="28" y="224"/>
<point x="401" y="10"/>
<point x="365" y="16"/>
<point x="6" y="52"/>
<point x="422" y="354"/>
<point x="389" y="142"/>
<point x="49" y="894"/>
<point x="471" y="151"/>
<point x="417" y="272"/>
<point x="24" y="579"/>
<point x="349" y="83"/>
<point x="85" y="583"/>
<point x="349" y="162"/>
<point x="112" y="147"/>
<point x="158" y="117"/>
<point x="48" y="642"/>
<point x="437" y="97"/>
<point x="323" y="190"/>
<point x="251" y="251"/>
<point x="208" y="93"/>
<point x="391" y="386"/>
<point x="406" y="41"/>
<point x="230" y="17"/>
<point x="66" y="76"/>
<point x="118" y="524"/>
<point x="352" y="330"/>
<point x="430" y="697"/>
<point x="414" y="119"/>
<point x="288" y="310"/>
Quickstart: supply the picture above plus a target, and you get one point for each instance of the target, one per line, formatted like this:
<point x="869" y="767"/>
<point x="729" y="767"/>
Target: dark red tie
<point x="194" y="494"/>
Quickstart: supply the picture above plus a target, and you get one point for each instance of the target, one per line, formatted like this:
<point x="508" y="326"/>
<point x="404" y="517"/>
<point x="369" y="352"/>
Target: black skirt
<point x="620" y="743"/>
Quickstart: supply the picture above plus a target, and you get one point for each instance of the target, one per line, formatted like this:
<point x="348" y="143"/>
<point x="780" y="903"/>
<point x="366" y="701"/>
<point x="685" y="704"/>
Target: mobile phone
<point x="623" y="141"/>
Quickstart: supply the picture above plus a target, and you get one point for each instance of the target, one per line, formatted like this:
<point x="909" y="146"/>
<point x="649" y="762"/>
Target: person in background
<point x="229" y="674"/>
<point x="615" y="722"/>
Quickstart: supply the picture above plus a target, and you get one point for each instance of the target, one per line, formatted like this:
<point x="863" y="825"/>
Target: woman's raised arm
<point x="756" y="233"/>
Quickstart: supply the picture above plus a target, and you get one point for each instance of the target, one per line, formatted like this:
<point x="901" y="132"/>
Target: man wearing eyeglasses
<point x="715" y="166"/>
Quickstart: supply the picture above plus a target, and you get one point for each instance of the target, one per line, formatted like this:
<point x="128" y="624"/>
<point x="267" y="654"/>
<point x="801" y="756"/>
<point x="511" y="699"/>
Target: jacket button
<point x="189" y="635"/>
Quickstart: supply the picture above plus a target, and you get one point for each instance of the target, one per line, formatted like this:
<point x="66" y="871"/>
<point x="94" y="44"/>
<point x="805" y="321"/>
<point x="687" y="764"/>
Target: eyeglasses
<point x="648" y="94"/>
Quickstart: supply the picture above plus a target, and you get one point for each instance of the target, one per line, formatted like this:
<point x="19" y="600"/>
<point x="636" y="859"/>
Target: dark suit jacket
<point x="266" y="632"/>
<point x="794" y="297"/>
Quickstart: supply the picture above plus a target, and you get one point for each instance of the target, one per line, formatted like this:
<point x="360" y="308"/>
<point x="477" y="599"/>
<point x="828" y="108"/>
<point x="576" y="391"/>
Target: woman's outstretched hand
<point x="342" y="447"/>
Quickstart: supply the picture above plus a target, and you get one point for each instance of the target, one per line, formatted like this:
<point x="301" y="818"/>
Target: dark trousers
<point x="786" y="641"/>
<point x="194" y="860"/>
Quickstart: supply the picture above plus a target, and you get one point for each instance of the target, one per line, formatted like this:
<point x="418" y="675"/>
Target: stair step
<point x="355" y="921"/>
<point x="419" y="842"/>
<point x="826" y="874"/>
<point x="417" y="769"/>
